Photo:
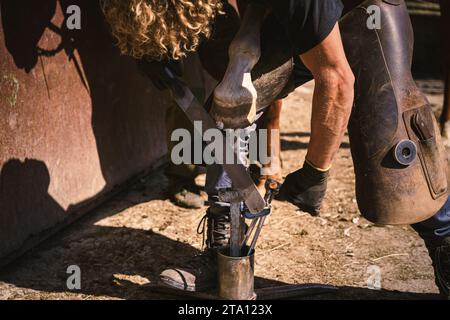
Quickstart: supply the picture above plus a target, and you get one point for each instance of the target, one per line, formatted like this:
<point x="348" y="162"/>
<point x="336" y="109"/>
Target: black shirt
<point x="307" y="22"/>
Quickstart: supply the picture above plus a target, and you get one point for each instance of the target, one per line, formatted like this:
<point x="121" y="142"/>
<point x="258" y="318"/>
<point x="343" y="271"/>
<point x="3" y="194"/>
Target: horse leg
<point x="445" y="24"/>
<point x="271" y="170"/>
<point x="445" y="116"/>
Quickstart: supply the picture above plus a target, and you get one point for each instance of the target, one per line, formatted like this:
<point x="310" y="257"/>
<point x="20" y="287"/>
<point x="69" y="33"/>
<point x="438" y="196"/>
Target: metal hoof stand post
<point x="236" y="263"/>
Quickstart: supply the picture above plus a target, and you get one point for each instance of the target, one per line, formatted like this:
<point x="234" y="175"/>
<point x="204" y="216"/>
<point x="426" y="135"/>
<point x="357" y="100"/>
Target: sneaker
<point x="185" y="195"/>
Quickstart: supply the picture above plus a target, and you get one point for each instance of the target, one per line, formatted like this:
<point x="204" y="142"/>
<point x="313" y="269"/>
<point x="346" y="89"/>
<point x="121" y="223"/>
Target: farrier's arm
<point x="331" y="107"/>
<point x="332" y="101"/>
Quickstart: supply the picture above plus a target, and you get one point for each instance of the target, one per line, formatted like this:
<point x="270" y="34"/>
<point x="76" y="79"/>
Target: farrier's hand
<point x="305" y="188"/>
<point x="156" y="71"/>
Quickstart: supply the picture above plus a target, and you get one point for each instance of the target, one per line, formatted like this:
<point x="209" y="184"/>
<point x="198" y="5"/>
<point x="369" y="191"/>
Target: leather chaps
<point x="399" y="160"/>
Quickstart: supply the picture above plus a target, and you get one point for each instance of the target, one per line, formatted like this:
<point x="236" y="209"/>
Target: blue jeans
<point x="437" y="227"/>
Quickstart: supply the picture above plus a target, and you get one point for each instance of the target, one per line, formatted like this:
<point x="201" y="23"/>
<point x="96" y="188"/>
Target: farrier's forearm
<point x="331" y="107"/>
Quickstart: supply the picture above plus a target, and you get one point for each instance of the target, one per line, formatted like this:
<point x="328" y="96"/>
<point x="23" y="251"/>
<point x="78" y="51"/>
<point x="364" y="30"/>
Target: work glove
<point x="157" y="72"/>
<point x="305" y="188"/>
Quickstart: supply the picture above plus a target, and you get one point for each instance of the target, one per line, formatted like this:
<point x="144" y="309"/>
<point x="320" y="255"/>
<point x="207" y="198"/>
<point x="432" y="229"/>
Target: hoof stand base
<point x="236" y="275"/>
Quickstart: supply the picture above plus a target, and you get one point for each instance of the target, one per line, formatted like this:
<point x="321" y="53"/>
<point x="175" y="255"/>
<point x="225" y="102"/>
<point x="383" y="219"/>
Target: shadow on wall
<point x="21" y="38"/>
<point x="127" y="136"/>
<point x="113" y="121"/>
<point x="29" y="177"/>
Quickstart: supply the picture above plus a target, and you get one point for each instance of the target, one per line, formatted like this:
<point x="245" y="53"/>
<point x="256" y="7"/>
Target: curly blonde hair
<point x="160" y="29"/>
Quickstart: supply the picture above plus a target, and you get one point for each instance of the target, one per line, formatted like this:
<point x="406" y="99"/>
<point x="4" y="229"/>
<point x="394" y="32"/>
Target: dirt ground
<point x="123" y="245"/>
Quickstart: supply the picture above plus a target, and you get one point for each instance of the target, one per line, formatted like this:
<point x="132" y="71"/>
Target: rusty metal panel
<point x="76" y="118"/>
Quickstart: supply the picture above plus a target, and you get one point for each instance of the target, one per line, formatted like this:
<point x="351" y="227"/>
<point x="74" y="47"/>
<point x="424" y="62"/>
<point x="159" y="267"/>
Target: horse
<point x="389" y="107"/>
<point x="214" y="58"/>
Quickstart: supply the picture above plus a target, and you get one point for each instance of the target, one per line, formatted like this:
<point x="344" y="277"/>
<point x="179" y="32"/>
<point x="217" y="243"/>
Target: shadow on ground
<point x="125" y="263"/>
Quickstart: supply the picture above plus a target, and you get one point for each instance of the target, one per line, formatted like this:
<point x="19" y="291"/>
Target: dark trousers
<point x="437" y="227"/>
